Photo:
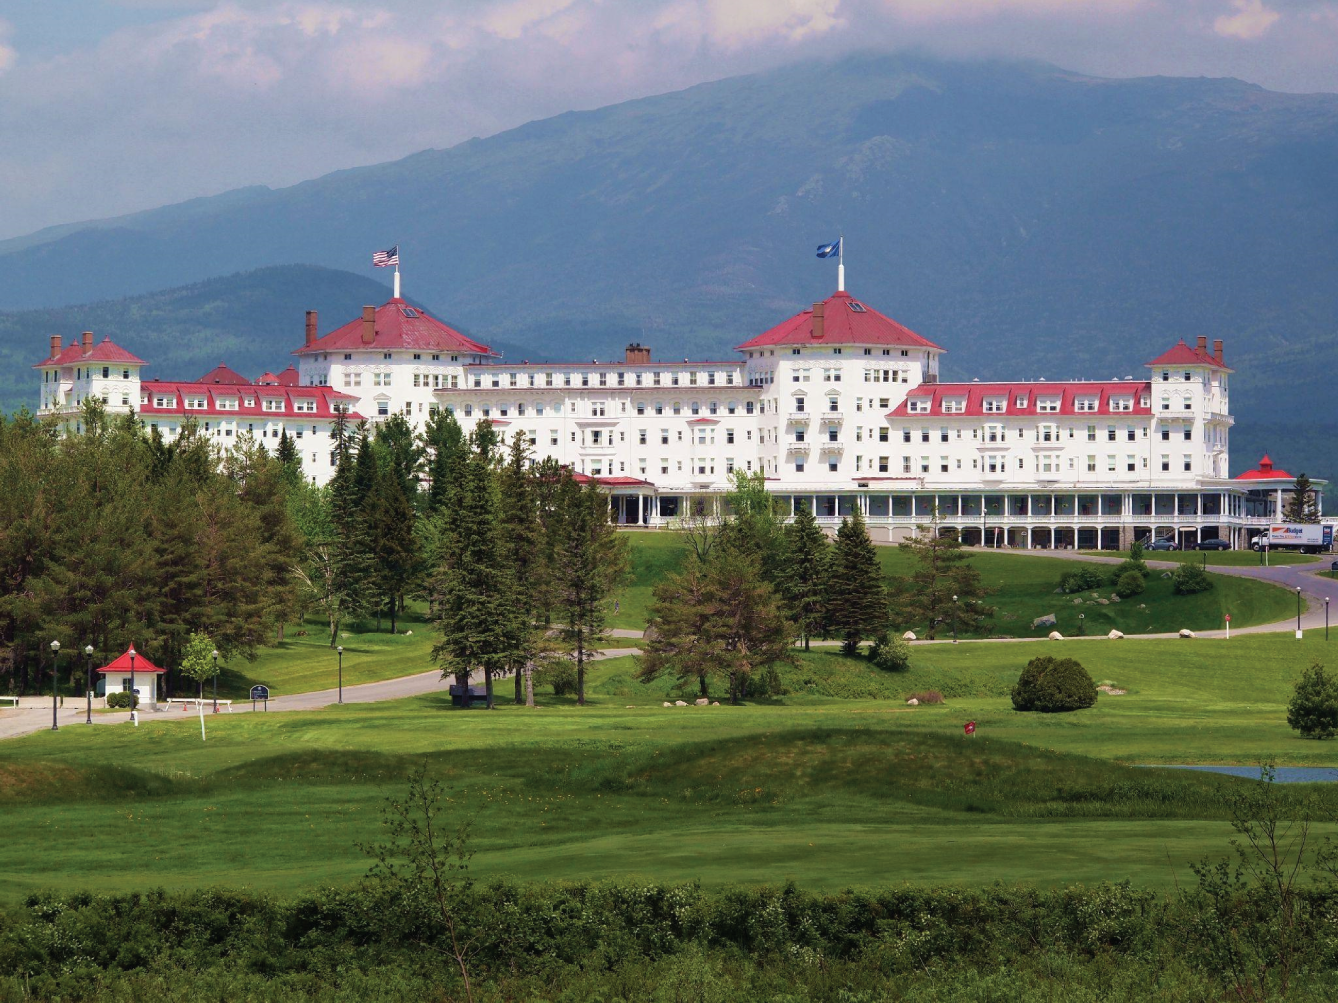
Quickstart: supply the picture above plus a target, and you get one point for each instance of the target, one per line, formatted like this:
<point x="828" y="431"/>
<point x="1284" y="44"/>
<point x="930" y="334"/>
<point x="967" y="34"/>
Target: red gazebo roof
<point x="1265" y="472"/>
<point x="122" y="663"/>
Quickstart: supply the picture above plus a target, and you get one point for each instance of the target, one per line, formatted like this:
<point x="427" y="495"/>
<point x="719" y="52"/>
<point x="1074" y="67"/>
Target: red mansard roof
<point x="1182" y="354"/>
<point x="397" y="325"/>
<point x="325" y="398"/>
<point x="221" y="373"/>
<point x="1265" y="472"/>
<point x="104" y="351"/>
<point x="843" y="324"/>
<point x="121" y="663"/>
<point x="975" y="395"/>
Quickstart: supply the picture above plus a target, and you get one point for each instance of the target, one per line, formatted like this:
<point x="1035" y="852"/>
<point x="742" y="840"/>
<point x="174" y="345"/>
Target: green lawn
<point x="1222" y="558"/>
<point x="836" y="783"/>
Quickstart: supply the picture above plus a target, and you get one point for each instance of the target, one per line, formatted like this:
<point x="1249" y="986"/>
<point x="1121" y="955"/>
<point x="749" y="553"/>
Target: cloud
<point x="1251" y="20"/>
<point x="8" y="55"/>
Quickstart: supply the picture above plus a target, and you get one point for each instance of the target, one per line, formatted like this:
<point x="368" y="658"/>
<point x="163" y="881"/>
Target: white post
<point x="841" y="264"/>
<point x="202" y="738"/>
<point x="397" y="281"/>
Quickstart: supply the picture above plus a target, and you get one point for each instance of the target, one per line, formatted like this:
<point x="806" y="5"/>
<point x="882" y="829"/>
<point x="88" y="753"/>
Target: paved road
<point x="34" y="714"/>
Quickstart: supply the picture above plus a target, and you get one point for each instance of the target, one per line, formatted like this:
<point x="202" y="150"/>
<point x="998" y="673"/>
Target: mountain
<point x="1035" y="222"/>
<point x="252" y="321"/>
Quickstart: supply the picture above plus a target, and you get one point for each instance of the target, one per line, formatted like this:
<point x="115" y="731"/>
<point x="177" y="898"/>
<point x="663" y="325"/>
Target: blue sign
<point x="259" y="692"/>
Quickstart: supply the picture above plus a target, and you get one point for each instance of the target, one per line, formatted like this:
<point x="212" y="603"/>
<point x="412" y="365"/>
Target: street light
<point x="954" y="619"/>
<point x="340" y="649"/>
<point x="88" y="681"/>
<point x="55" y="677"/>
<point x="215" y="654"/>
<point x="134" y="718"/>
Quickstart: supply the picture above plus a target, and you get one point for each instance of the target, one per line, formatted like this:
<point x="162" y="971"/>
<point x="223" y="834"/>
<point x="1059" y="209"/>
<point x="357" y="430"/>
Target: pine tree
<point x="589" y="562"/>
<point x="444" y="448"/>
<point x="943" y="571"/>
<point x="289" y="458"/>
<point x="401" y="450"/>
<point x="389" y="518"/>
<point x="802" y="578"/>
<point x="521" y="534"/>
<point x="856" y="593"/>
<point x="1301" y="506"/>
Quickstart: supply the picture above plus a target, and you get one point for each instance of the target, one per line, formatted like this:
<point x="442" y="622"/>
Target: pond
<point x="1282" y="774"/>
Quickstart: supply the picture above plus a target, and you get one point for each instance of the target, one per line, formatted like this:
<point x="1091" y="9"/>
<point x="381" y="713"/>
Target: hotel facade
<point x="839" y="407"/>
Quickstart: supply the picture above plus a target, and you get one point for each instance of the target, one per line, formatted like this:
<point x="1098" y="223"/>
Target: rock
<point x="1058" y="592"/>
<point x="680" y="703"/>
<point x="668" y="704"/>
<point x="1078" y="601"/>
<point x="1103" y="602"/>
<point x="407" y="633"/>
<point x="1166" y="574"/>
<point x="1056" y="635"/>
<point x="1114" y="598"/>
<point x="715" y="703"/>
<point x="1186" y="632"/>
<point x="912" y="702"/>
<point x="1142" y="605"/>
<point x="908" y="636"/>
<point x="1111" y="690"/>
<point x="703" y="702"/>
<point x="1045" y="621"/>
<point x="630" y="706"/>
<point x="1115" y="635"/>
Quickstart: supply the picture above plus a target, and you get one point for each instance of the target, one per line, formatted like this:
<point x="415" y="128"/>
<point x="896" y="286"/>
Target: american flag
<point x="384" y="259"/>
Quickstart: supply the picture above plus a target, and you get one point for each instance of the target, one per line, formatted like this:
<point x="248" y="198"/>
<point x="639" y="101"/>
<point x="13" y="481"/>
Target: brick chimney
<point x="818" y="320"/>
<point x="55" y="345"/>
<point x="1202" y="345"/>
<point x="638" y="354"/>
<point x="311" y="328"/>
<point x="368" y="324"/>
<point x="1217" y="351"/>
<point x="86" y="340"/>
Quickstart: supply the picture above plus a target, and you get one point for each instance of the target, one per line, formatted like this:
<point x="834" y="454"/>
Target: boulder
<point x="1115" y="635"/>
<point x="912" y="702"/>
<point x="1078" y="601"/>
<point x="668" y="704"/>
<point x="1103" y="602"/>
<point x="1055" y="635"/>
<point x="1186" y="632"/>
<point x="908" y="636"/>
<point x="703" y="702"/>
<point x="1114" y="598"/>
<point x="1045" y="621"/>
<point x="1166" y="574"/>
<point x="715" y="703"/>
<point x="408" y="633"/>
<point x="680" y="703"/>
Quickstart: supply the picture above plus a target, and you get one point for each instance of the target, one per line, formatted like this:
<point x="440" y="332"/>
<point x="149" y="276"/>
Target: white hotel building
<point x="838" y="406"/>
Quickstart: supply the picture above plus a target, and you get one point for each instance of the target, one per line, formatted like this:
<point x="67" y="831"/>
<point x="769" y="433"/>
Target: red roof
<point x="611" y="482"/>
<point x="1182" y="355"/>
<point x="222" y="374"/>
<point x="122" y="663"/>
<point x="846" y="321"/>
<point x="1265" y="472"/>
<point x="1024" y="398"/>
<point x="325" y="398"/>
<point x="104" y="351"/>
<point x="397" y="325"/>
<point x="287" y="378"/>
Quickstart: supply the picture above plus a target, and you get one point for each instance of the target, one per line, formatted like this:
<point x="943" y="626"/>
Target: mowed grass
<point x="836" y="783"/>
<point x="1220" y="558"/>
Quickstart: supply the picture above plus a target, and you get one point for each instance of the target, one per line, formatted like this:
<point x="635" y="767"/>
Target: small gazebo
<point x="116" y="676"/>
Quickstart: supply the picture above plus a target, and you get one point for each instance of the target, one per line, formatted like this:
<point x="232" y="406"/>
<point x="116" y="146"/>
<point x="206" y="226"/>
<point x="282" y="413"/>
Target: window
<point x="882" y="434"/>
<point x="1110" y="433"/>
<point x="641" y="437"/>
<point x="383" y="408"/>
<point x="833" y="463"/>
<point x="1046" y="404"/>
<point x="799" y="465"/>
<point x="1189" y="404"/>
<point x="1165" y="434"/>
<point x="1130" y="463"/>
<point x="1189" y="463"/>
<point x="833" y="404"/>
<point x="1130" y="433"/>
<point x="833" y="433"/>
<point x="1189" y="433"/>
<point x="1165" y="461"/>
<point x="1091" y="464"/>
<point x="995" y="404"/>
<point x="1085" y="404"/>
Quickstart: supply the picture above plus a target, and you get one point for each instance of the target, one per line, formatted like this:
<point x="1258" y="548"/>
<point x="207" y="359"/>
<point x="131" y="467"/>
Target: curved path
<point x="34" y="714"/>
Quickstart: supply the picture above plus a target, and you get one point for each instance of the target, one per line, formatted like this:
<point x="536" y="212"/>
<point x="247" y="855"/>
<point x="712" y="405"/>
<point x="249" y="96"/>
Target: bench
<point x="14" y="701"/>
<point x="186" y="702"/>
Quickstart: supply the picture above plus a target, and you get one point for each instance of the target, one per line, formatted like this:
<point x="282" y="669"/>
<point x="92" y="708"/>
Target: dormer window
<point x="1049" y="404"/>
<point x="1085" y="404"/>
<point x="994" y="405"/>
<point x="1021" y="400"/>
<point x="1121" y="403"/>
<point x="918" y="405"/>
<point x="954" y="405"/>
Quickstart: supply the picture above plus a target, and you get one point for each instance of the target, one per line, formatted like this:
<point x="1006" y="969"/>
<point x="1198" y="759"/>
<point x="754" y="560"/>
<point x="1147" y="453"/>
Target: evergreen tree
<point x="856" y="593"/>
<point x="289" y="458"/>
<point x="389" y="518"/>
<point x="802" y="579"/>
<point x="755" y="523"/>
<point x="589" y="562"/>
<point x="1313" y="709"/>
<point x="1301" y="506"/>
<point x="401" y="450"/>
<point x="942" y="571"/>
<point x="444" y="450"/>
<point x="521" y="534"/>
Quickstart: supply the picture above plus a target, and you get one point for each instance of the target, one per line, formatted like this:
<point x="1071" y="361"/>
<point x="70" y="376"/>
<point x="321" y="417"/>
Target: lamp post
<point x="954" y="619"/>
<point x="340" y="649"/>
<point x="1326" y="618"/>
<point x="55" y="678"/>
<point x="215" y="656"/>
<point x="1298" y="612"/>
<point x="134" y="717"/>
<point x="88" y="682"/>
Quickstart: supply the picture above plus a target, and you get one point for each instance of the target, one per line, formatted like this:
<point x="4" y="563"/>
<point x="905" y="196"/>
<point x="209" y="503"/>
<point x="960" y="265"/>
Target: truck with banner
<point x="1309" y="538"/>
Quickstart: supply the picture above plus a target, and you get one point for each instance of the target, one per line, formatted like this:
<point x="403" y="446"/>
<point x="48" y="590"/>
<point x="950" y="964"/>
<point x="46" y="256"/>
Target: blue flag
<point x="832" y="250"/>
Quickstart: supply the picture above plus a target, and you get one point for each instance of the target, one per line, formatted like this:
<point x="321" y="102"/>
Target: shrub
<point x="891" y="654"/>
<point x="1136" y="552"/>
<point x="1054" y="684"/>
<point x="1313" y="710"/>
<point x="1190" y="579"/>
<point x="1129" y="584"/>
<point x="929" y="696"/>
<point x="559" y="675"/>
<point x="1082" y="579"/>
<point x="1124" y="567"/>
<point x="119" y="700"/>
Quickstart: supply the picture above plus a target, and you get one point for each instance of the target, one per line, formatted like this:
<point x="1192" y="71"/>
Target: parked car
<point x="1212" y="544"/>
<point x="1161" y="545"/>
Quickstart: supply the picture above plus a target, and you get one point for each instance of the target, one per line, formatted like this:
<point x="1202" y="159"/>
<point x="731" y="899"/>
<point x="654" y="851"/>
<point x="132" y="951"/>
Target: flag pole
<point x="397" y="273"/>
<point x="841" y="263"/>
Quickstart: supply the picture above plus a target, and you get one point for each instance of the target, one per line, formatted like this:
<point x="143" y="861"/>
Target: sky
<point x="110" y="106"/>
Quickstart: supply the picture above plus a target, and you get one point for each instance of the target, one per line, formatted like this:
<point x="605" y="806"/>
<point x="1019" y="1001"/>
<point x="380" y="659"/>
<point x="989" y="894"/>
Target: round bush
<point x="1124" y="567"/>
<point x="1082" y="579"/>
<point x="1313" y="710"/>
<point x="120" y="700"/>
<point x="1129" y="584"/>
<point x="1190" y="579"/>
<point x="560" y="675"/>
<point x="1050" y="685"/>
<point x="891" y="654"/>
